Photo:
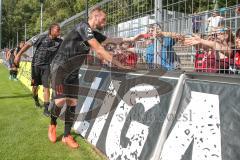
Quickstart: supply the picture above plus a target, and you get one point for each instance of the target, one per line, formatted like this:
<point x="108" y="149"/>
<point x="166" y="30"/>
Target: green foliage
<point x="18" y="12"/>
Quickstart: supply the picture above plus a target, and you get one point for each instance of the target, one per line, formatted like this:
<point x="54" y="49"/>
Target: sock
<point x="11" y="73"/>
<point x="69" y="119"/>
<point x="35" y="97"/>
<point x="15" y="74"/>
<point x="55" y="112"/>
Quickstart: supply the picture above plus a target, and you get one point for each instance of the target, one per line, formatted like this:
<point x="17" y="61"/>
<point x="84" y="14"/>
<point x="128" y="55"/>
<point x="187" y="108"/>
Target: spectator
<point x="16" y="50"/>
<point x="169" y="59"/>
<point x="130" y="56"/>
<point x="221" y="47"/>
<point x="196" y="22"/>
<point x="237" y="10"/>
<point x="214" y="22"/>
<point x="123" y="52"/>
<point x="10" y="55"/>
<point x="237" y="52"/>
<point x="150" y="48"/>
<point x="5" y="54"/>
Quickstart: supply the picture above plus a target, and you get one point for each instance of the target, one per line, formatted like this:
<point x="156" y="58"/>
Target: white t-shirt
<point x="214" y="21"/>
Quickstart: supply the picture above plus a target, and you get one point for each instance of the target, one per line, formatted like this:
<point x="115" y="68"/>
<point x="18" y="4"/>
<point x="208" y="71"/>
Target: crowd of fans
<point x="216" y="48"/>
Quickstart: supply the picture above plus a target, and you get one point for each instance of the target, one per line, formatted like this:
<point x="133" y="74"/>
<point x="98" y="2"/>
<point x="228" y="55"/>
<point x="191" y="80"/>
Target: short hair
<point x="154" y="26"/>
<point x="96" y="9"/>
<point x="52" y="26"/>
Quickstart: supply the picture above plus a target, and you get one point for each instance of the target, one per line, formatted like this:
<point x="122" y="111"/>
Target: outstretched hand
<point x="120" y="65"/>
<point x="194" y="40"/>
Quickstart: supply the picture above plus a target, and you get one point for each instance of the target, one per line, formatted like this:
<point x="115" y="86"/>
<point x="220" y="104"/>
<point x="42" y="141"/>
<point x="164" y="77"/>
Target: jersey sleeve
<point x="33" y="41"/>
<point x="36" y="40"/>
<point x="99" y="36"/>
<point x="85" y="31"/>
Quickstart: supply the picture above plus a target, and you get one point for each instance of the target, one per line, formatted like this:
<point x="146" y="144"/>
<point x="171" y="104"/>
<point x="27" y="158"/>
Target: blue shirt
<point x="150" y="49"/>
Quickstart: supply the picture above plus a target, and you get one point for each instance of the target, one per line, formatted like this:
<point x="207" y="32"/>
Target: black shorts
<point x="63" y="83"/>
<point x="41" y="76"/>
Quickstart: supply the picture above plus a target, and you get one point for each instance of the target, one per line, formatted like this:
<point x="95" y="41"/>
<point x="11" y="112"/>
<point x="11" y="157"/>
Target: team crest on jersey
<point x="35" y="39"/>
<point x="56" y="43"/>
<point x="89" y="32"/>
<point x="84" y="46"/>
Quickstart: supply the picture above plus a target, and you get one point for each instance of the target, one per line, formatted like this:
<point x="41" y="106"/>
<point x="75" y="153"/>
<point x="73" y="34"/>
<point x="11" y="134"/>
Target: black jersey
<point x="18" y="49"/>
<point x="46" y="49"/>
<point x="75" y="43"/>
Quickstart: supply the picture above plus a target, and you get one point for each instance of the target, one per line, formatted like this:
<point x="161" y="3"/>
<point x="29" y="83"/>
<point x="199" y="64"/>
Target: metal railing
<point x="127" y="18"/>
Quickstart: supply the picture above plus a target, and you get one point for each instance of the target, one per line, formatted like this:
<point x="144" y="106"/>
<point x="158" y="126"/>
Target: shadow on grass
<point x="16" y="96"/>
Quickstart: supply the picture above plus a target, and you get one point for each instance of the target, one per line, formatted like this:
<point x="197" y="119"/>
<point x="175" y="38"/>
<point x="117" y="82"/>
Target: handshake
<point x="123" y="52"/>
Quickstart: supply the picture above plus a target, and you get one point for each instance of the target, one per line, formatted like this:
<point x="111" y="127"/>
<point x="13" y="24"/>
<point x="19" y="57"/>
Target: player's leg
<point x="71" y="102"/>
<point x="35" y="95"/>
<point x="15" y="71"/>
<point x="35" y="83"/>
<point x="57" y="103"/>
<point x="56" y="107"/>
<point x="45" y="78"/>
<point x="69" y="120"/>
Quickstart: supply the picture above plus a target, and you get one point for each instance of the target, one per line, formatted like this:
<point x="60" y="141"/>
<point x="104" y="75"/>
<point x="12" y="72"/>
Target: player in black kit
<point x="71" y="55"/>
<point x="46" y="48"/>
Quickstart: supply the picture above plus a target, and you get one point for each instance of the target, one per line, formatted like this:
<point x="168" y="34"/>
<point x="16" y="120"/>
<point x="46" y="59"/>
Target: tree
<point x="18" y="12"/>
